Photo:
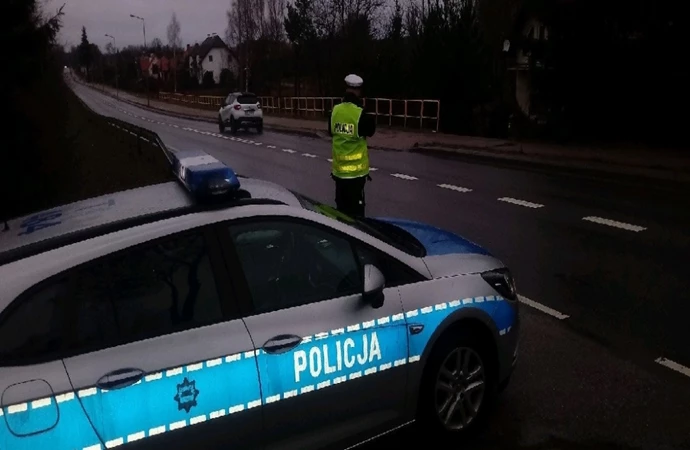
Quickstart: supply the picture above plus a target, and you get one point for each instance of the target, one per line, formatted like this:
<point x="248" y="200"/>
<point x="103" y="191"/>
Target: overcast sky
<point x="197" y="18"/>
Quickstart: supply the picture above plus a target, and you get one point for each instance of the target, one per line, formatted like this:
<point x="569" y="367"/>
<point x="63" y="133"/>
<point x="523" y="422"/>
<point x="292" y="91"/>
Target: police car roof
<point x="74" y="222"/>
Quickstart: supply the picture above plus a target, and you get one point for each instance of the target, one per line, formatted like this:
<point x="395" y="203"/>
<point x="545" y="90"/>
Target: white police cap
<point x="354" y="81"/>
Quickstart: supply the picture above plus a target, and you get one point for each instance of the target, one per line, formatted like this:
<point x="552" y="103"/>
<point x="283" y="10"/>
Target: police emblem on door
<point x="186" y="395"/>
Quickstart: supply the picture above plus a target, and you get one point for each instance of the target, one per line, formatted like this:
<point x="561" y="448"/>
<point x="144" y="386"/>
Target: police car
<point x="220" y="311"/>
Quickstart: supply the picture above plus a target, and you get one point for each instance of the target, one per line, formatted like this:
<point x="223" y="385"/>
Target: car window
<point x="288" y="264"/>
<point x="149" y="291"/>
<point x="389" y="234"/>
<point x="248" y="99"/>
<point x="140" y="293"/>
<point x="395" y="272"/>
<point x="34" y="327"/>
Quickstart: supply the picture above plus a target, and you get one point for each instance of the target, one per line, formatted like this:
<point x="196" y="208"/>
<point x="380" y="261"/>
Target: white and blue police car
<point x="221" y="311"/>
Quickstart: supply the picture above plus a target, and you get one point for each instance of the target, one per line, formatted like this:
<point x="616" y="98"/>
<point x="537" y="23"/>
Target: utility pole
<point x="117" y="58"/>
<point x="143" y="22"/>
<point x="246" y="79"/>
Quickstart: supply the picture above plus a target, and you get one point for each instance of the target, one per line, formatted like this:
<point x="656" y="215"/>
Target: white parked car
<point x="241" y="110"/>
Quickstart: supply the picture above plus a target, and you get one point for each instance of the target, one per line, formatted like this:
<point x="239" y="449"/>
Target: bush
<point x="208" y="80"/>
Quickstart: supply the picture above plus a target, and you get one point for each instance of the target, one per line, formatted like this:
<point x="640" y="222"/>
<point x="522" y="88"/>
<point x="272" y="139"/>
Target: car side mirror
<point x="374" y="284"/>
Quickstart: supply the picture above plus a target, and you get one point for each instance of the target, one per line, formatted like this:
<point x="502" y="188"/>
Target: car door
<point x="38" y="407"/>
<point x="163" y="359"/>
<point x="226" y="110"/>
<point x="331" y="365"/>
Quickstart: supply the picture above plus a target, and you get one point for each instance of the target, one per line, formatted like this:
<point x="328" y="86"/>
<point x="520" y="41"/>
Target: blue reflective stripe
<point x="498" y="308"/>
<point x="188" y="395"/>
<point x="175" y="398"/>
<point x="161" y="402"/>
<point x="72" y="431"/>
<point x="333" y="357"/>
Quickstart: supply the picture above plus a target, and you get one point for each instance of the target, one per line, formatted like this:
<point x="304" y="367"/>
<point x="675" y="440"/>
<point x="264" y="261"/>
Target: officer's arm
<point x="367" y="125"/>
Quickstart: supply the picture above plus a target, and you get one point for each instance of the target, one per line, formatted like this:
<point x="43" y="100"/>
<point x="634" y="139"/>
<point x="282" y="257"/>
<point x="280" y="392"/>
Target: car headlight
<point x="502" y="281"/>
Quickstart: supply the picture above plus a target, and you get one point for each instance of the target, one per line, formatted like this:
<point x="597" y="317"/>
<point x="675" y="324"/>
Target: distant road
<point x="592" y="257"/>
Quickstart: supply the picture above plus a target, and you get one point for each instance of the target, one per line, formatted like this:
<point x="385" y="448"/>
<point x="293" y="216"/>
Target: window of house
<point x="289" y="264"/>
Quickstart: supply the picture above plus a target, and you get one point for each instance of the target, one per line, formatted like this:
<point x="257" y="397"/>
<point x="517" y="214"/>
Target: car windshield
<point x="390" y="234"/>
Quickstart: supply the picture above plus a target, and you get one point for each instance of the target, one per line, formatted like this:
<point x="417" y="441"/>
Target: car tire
<point x="221" y="125"/>
<point x="233" y="125"/>
<point x="260" y="129"/>
<point x="444" y="386"/>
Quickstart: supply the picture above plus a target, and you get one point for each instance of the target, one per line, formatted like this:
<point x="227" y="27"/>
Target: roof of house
<point x="209" y="43"/>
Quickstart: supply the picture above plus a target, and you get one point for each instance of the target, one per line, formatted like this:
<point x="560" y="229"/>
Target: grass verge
<point x="71" y="153"/>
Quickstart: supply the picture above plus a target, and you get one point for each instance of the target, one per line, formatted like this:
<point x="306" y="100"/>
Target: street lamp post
<point x="143" y="22"/>
<point x="117" y="57"/>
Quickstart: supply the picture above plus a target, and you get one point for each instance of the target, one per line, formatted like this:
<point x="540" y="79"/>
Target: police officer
<point x="349" y="127"/>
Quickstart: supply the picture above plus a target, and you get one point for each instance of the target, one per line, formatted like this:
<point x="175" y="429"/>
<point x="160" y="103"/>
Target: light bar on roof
<point x="203" y="175"/>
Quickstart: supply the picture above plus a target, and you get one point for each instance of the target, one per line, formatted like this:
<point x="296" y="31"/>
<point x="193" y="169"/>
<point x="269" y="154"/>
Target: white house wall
<point x="221" y="60"/>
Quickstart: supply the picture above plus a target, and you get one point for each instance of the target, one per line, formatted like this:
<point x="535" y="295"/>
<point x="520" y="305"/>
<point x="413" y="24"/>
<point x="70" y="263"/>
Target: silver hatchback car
<point x="227" y="312"/>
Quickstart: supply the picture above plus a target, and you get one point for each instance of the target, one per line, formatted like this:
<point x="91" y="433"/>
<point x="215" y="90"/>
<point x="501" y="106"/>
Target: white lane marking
<point x="331" y="160"/>
<point x="673" y="366"/>
<point x="614" y="223"/>
<point x="258" y="143"/>
<point x="519" y="202"/>
<point x="288" y="150"/>
<point x="402" y="176"/>
<point x="174" y="126"/>
<point x="542" y="308"/>
<point x="452" y="187"/>
<point x="271" y="146"/>
<point x="308" y="155"/>
<point x="373" y="169"/>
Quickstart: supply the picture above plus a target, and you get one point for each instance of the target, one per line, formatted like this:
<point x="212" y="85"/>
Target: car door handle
<point x="281" y="343"/>
<point x="120" y="378"/>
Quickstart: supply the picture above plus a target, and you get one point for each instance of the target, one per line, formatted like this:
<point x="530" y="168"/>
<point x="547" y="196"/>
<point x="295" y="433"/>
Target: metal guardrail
<point x="392" y="112"/>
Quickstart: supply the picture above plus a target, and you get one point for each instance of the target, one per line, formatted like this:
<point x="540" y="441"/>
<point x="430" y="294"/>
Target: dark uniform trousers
<point x="349" y="195"/>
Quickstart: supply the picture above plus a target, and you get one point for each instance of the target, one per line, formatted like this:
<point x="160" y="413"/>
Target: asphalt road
<point x="606" y="296"/>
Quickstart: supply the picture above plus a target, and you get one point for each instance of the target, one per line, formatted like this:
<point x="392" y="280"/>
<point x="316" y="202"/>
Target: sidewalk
<point x="672" y="165"/>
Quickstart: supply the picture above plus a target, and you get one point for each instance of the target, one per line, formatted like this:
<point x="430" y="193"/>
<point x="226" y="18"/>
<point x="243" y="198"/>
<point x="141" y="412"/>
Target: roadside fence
<point x="404" y="113"/>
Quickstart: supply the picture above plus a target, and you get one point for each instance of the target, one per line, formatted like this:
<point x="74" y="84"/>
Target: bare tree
<point x="245" y="24"/>
<point x="174" y="41"/>
<point x="275" y="14"/>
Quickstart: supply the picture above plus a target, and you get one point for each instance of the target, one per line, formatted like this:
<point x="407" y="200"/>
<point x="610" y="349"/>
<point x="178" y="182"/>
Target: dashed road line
<point x="402" y="176"/>
<point x="271" y="146"/>
<point x="309" y="155"/>
<point x="673" y="366"/>
<point x="543" y="308"/>
<point x="288" y="150"/>
<point x="519" y="202"/>
<point x="454" y="188"/>
<point x="614" y="223"/>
